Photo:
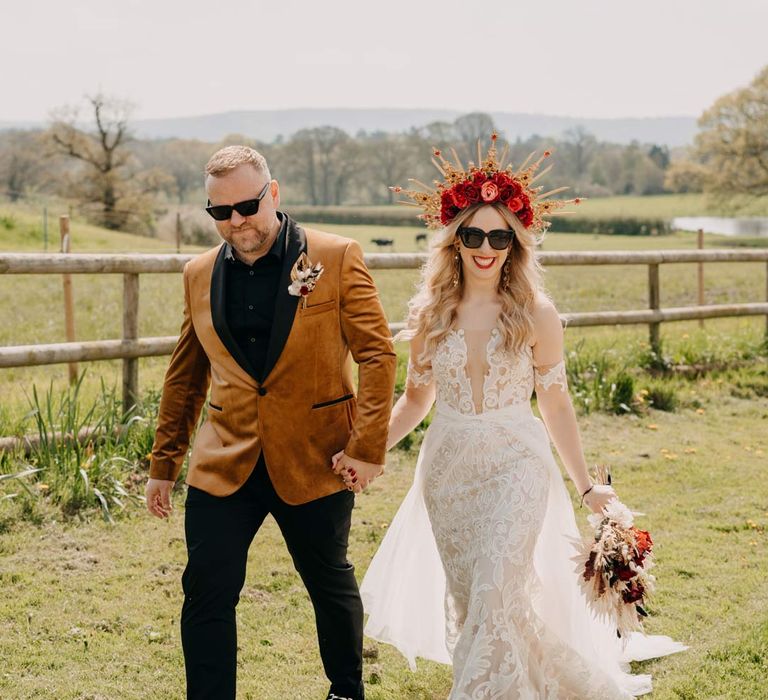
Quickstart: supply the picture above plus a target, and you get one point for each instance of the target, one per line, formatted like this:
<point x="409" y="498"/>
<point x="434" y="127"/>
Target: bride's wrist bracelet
<point x="581" y="505"/>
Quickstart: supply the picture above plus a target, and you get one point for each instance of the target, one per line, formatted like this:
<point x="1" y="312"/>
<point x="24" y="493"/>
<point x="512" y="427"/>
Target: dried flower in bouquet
<point x="614" y="566"/>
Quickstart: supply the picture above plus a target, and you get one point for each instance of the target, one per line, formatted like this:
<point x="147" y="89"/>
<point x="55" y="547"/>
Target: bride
<point x="476" y="569"/>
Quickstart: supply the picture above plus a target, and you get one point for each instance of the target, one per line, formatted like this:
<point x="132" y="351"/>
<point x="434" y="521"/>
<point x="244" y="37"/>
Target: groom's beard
<point x="250" y="240"/>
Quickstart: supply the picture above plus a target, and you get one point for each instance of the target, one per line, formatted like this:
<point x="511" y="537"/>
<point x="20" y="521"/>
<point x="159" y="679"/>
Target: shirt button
<point x="251" y="273"/>
<point x="262" y="391"/>
<point x="250" y="307"/>
<point x="253" y="340"/>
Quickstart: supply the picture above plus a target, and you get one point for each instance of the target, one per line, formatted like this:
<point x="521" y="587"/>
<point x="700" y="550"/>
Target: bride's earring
<point x="456" y="267"/>
<point x="505" y="274"/>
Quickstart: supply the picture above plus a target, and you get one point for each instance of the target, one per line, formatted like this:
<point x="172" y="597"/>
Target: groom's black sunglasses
<point x="472" y="237"/>
<point x="249" y="207"/>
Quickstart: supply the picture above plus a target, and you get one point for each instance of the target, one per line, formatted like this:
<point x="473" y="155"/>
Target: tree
<point x="471" y="128"/>
<point x="733" y="142"/>
<point x="579" y="147"/>
<point x="321" y="161"/>
<point x="106" y="183"/>
<point x="183" y="160"/>
<point x="388" y="159"/>
<point x="21" y="163"/>
<point x="685" y="176"/>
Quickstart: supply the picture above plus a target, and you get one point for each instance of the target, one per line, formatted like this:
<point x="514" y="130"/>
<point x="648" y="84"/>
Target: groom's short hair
<point x="230" y="157"/>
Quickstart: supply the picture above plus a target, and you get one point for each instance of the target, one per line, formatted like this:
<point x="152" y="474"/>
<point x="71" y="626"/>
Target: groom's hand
<point x="357" y="475"/>
<point x="158" y="495"/>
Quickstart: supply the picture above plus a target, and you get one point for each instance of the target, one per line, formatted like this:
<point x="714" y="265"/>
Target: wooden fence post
<point x="178" y="232"/>
<point x="69" y="309"/>
<point x="130" y="332"/>
<point x="700" y="245"/>
<point x="654" y="299"/>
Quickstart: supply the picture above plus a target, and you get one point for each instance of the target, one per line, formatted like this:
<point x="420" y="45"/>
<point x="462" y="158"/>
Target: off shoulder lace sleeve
<point x="418" y="376"/>
<point x="546" y="376"/>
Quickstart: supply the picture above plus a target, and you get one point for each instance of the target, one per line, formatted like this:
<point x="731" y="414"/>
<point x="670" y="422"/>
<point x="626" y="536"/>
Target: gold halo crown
<point x="487" y="183"/>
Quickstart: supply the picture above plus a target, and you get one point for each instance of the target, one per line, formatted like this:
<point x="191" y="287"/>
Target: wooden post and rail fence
<point x="131" y="347"/>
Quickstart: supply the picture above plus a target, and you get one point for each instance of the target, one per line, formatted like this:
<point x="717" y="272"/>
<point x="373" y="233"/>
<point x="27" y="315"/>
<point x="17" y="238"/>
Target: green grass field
<point x="90" y="611"/>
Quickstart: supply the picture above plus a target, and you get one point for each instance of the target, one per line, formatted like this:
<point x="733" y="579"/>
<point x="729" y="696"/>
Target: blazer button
<point x="262" y="391"/>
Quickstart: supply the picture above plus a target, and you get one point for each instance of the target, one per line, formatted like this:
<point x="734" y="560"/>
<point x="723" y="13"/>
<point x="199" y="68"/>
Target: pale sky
<point x="171" y="58"/>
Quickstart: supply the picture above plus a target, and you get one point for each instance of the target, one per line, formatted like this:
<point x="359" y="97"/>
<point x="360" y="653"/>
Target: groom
<point x="278" y="359"/>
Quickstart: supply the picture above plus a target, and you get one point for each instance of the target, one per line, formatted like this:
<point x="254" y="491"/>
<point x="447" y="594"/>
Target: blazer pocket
<point x="318" y="308"/>
<point x="333" y="402"/>
<point x="215" y="407"/>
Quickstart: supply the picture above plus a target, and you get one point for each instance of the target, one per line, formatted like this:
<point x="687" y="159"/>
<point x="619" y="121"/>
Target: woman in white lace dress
<point x="475" y="569"/>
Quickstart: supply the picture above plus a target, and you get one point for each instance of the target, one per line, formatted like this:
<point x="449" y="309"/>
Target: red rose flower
<point x="515" y="205"/>
<point x="472" y="192"/>
<point x="459" y="197"/>
<point x="506" y="192"/>
<point x="526" y="217"/>
<point x="448" y="214"/>
<point x="304" y="290"/>
<point x="446" y="198"/>
<point x="500" y="179"/>
<point x="489" y="191"/>
<point x="624" y="573"/>
<point x="479" y="178"/>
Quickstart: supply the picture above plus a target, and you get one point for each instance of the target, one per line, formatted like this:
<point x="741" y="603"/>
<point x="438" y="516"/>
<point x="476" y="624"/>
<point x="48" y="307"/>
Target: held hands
<point x="599" y="496"/>
<point x="158" y="496"/>
<point x="357" y="475"/>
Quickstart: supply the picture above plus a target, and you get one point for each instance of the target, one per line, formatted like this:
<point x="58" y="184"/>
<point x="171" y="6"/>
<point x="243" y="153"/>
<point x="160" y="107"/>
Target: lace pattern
<point x="508" y="380"/>
<point x="486" y="496"/>
<point x="418" y="377"/>
<point x="554" y="375"/>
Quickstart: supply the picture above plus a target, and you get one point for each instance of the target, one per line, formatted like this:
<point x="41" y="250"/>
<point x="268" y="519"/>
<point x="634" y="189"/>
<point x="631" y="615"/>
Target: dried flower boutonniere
<point x="304" y="276"/>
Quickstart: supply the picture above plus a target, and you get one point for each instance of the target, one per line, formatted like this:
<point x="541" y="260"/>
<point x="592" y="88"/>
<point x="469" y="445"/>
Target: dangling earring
<point x="456" y="267"/>
<point x="505" y="274"/>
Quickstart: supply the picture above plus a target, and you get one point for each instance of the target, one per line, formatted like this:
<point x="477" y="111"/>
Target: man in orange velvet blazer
<point x="277" y="356"/>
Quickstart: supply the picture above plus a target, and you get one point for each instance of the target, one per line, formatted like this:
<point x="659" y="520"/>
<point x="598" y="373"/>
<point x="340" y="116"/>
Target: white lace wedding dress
<point x="475" y="569"/>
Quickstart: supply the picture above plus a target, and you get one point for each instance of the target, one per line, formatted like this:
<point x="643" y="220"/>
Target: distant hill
<point x="266" y="125"/>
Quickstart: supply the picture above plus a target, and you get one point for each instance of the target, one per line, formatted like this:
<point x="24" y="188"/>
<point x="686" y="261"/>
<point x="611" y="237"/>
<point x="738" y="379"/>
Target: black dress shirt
<point x="250" y="293"/>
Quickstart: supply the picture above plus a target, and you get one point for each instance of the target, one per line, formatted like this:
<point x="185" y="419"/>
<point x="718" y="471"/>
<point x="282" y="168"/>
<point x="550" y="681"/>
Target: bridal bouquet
<point x="614" y="567"/>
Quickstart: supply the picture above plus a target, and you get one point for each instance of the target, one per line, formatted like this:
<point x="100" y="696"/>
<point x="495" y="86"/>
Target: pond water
<point x="745" y="226"/>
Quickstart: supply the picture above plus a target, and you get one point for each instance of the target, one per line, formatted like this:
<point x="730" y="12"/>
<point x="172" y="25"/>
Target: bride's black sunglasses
<point x="472" y="237"/>
<point x="223" y="212"/>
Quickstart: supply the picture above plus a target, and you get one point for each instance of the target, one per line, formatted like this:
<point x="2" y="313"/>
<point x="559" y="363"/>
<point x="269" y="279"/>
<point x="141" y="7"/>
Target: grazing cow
<point x="384" y="242"/>
<point x="421" y="238"/>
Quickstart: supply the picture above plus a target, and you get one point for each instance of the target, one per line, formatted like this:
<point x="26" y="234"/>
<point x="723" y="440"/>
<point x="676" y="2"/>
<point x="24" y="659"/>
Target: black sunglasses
<point x="472" y="237"/>
<point x="223" y="212"/>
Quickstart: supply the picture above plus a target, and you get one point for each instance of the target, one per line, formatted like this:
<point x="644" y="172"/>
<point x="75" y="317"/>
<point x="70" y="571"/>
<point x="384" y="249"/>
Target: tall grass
<point x="83" y="456"/>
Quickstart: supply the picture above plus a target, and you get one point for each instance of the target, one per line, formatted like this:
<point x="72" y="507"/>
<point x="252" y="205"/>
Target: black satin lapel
<point x="285" y="303"/>
<point x="219" y="312"/>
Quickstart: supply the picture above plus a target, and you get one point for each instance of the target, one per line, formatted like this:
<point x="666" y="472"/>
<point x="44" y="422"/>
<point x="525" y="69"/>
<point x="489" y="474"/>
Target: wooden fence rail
<point x="130" y="348"/>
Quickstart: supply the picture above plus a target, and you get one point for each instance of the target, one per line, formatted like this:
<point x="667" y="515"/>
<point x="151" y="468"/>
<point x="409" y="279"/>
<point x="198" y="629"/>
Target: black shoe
<point x="333" y="696"/>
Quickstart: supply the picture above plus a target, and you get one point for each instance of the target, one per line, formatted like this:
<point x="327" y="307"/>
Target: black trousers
<point x="219" y="531"/>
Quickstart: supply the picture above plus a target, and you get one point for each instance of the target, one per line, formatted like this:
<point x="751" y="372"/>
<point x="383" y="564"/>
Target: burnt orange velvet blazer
<point x="304" y="408"/>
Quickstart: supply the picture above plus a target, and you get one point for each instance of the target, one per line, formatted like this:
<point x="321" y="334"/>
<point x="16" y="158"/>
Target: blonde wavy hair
<point x="432" y="310"/>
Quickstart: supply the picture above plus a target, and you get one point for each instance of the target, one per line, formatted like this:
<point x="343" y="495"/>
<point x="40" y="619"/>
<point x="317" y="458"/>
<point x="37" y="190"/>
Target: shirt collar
<point x="278" y="247"/>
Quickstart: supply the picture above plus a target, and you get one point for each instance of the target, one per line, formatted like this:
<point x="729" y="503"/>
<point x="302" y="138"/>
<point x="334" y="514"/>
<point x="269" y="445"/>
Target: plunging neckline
<point x="461" y="333"/>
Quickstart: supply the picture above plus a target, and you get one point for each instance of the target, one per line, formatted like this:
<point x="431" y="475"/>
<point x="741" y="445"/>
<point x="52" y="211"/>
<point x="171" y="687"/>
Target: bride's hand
<point x="599" y="497"/>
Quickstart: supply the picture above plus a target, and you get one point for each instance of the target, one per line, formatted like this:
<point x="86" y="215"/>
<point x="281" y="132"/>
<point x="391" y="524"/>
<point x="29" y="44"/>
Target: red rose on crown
<point x="472" y="191"/>
<point x="459" y="198"/>
<point x="489" y="191"/>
